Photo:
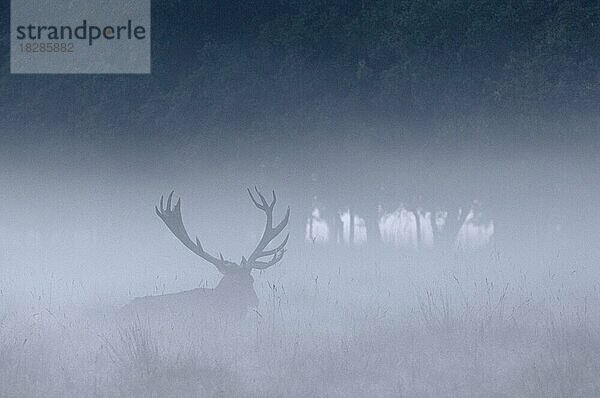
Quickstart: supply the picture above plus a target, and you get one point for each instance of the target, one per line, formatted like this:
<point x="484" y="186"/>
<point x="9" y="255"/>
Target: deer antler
<point x="172" y="219"/>
<point x="268" y="235"/>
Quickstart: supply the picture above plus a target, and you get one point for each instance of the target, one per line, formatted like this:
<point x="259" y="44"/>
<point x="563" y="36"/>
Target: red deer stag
<point x="235" y="292"/>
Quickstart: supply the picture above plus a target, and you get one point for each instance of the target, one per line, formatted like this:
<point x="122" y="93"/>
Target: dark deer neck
<point x="237" y="290"/>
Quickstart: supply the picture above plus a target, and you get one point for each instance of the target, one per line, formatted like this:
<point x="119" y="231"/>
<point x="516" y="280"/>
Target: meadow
<point x="332" y="322"/>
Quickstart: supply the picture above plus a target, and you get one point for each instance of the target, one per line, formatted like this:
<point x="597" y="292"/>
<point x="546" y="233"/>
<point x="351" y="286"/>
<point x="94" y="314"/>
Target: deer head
<point x="236" y="285"/>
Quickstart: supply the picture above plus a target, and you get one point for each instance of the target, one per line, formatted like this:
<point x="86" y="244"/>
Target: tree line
<point x="273" y="62"/>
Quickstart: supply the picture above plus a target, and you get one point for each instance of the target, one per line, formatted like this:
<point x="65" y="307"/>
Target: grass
<point x="331" y="325"/>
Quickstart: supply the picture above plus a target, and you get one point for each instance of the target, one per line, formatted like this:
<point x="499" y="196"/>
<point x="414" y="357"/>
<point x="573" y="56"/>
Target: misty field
<point x="331" y="323"/>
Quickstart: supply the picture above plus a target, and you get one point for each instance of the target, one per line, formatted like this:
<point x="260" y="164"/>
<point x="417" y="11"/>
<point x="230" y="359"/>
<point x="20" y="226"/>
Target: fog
<point x="440" y="163"/>
<point x="507" y="306"/>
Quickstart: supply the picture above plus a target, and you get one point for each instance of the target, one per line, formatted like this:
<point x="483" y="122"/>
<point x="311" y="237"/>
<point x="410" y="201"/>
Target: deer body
<point x="229" y="297"/>
<point x="235" y="292"/>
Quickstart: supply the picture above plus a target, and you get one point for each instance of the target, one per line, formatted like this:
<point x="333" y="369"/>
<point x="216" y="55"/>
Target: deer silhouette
<point x="235" y="292"/>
